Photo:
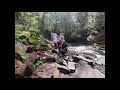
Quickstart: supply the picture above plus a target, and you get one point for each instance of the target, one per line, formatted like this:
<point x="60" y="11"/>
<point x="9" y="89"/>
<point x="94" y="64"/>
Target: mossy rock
<point x="20" y="48"/>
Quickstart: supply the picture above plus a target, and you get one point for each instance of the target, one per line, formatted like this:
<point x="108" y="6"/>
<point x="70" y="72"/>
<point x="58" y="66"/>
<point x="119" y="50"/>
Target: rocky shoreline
<point x="79" y="62"/>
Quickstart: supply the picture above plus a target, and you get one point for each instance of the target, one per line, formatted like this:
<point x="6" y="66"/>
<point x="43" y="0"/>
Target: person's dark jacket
<point x="64" y="45"/>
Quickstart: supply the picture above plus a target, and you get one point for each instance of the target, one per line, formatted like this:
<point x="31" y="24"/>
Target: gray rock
<point x="90" y="56"/>
<point x="71" y="65"/>
<point x="101" y="68"/>
<point x="91" y="73"/>
<point x="64" y="69"/>
<point x="47" y="71"/>
<point x="62" y="62"/>
<point x="31" y="58"/>
<point x="101" y="60"/>
<point x="75" y="58"/>
<point x="51" y="59"/>
<point x="67" y="58"/>
<point x="83" y="70"/>
<point x="80" y="57"/>
<point x="65" y="63"/>
<point x="64" y="75"/>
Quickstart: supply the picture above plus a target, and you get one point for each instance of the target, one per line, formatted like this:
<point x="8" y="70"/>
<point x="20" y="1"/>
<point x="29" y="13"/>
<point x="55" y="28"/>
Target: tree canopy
<point x="78" y="27"/>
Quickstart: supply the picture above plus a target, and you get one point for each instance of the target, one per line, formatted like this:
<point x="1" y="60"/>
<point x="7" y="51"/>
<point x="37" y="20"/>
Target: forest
<point x="35" y="52"/>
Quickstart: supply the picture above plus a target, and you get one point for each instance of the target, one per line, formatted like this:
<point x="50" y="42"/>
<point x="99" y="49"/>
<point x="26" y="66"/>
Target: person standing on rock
<point x="59" y="41"/>
<point x="62" y="46"/>
<point x="55" y="43"/>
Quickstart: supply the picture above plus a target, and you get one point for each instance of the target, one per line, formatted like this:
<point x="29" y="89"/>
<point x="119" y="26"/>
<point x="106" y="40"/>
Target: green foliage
<point x="27" y="25"/>
<point x="24" y="57"/>
<point x="76" y="26"/>
<point x="38" y="63"/>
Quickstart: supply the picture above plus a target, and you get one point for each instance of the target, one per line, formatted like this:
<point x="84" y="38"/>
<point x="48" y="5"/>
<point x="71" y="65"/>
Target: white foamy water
<point x="83" y="49"/>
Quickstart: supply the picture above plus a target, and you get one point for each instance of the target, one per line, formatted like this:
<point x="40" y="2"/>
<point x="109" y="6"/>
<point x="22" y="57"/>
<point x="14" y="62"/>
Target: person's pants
<point x="55" y="45"/>
<point x="62" y="51"/>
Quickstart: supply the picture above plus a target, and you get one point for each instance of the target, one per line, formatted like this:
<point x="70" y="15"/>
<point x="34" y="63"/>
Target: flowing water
<point x="86" y="49"/>
<point x="99" y="55"/>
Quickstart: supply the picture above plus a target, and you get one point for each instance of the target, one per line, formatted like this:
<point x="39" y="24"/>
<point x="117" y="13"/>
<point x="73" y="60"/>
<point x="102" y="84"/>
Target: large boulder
<point x="100" y="64"/>
<point x="46" y="71"/>
<point x="91" y="73"/>
<point x="68" y="58"/>
<point x="20" y="48"/>
<point x="62" y="75"/>
<point x="101" y="60"/>
<point x="75" y="58"/>
<point x="50" y="57"/>
<point x="90" y="56"/>
<point x="64" y="69"/>
<point x="65" y="62"/>
<point x="31" y="58"/>
<point x="80" y="57"/>
<point x="19" y="69"/>
<point x="62" y="62"/>
<point x="102" y="52"/>
<point x="71" y="65"/>
<point x="84" y="70"/>
<point x="99" y="67"/>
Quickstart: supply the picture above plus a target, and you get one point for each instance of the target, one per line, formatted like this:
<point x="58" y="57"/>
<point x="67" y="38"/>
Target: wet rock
<point x="62" y="75"/>
<point x="88" y="72"/>
<point x="83" y="64"/>
<point x="47" y="71"/>
<point x="80" y="57"/>
<point x="51" y="59"/>
<point x="75" y="58"/>
<point x="101" y="60"/>
<point x="84" y="70"/>
<point x="62" y="62"/>
<point x="99" y="67"/>
<point x="102" y="74"/>
<point x="71" y="59"/>
<point x="71" y="65"/>
<point x="65" y="62"/>
<point x="67" y="58"/>
<point x="64" y="69"/>
<point x="101" y="52"/>
<point x="90" y="56"/>
<point x="91" y="64"/>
